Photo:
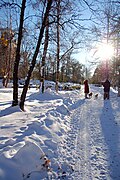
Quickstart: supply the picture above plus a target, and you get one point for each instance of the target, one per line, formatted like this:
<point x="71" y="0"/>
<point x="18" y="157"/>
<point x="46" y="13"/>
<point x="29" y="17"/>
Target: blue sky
<point x="83" y="56"/>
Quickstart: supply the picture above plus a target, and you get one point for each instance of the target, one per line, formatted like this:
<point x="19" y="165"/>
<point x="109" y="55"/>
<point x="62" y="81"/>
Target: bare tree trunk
<point x="119" y="83"/>
<point x="9" y="64"/>
<point x="23" y="95"/>
<point x="58" y="44"/>
<point x="44" y="53"/>
<point x="17" y="58"/>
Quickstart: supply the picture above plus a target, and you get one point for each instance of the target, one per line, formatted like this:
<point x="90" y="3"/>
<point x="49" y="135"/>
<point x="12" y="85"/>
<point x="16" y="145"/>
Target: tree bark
<point x="44" y="53"/>
<point x="119" y="83"/>
<point x="17" y="58"/>
<point x="58" y="45"/>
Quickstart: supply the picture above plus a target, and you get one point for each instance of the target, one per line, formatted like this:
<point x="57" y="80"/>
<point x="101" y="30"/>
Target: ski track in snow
<point x="86" y="146"/>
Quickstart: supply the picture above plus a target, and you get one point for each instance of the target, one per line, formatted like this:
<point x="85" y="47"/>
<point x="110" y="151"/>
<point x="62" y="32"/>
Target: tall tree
<point x="24" y="92"/>
<point x="58" y="44"/>
<point x="44" y="54"/>
<point x="17" y="58"/>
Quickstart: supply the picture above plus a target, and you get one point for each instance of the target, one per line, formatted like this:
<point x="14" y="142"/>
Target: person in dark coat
<point x="106" y="86"/>
<point x="86" y="88"/>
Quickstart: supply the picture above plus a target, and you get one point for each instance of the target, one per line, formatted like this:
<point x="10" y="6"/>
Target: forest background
<point x="45" y="39"/>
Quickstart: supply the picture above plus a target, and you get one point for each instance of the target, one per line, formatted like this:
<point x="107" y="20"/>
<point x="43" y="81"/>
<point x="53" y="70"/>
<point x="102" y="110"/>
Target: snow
<point x="60" y="136"/>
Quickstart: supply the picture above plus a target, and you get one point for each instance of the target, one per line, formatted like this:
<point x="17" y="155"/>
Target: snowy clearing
<point x="60" y="136"/>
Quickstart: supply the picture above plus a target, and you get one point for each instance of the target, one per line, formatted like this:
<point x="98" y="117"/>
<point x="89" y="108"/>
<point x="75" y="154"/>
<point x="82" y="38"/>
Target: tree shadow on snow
<point x="111" y="132"/>
<point x="9" y="110"/>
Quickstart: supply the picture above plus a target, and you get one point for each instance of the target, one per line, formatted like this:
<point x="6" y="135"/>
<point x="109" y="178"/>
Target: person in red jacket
<point x="86" y="88"/>
<point x="106" y="86"/>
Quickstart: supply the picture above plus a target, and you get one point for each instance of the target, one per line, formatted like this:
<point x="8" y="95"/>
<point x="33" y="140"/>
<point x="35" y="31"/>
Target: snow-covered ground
<point x="60" y="136"/>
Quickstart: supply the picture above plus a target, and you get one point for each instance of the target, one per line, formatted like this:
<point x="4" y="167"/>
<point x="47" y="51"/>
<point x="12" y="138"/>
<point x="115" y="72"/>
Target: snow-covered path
<point x="93" y="142"/>
<point x="91" y="161"/>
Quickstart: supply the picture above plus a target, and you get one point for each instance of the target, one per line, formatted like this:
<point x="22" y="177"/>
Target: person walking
<point x="106" y="86"/>
<point x="86" y="88"/>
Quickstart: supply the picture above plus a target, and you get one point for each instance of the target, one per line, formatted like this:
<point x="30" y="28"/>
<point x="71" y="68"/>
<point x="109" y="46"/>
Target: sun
<point x="104" y="51"/>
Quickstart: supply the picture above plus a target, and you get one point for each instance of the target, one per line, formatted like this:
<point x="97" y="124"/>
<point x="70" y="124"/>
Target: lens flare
<point x="104" y="51"/>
